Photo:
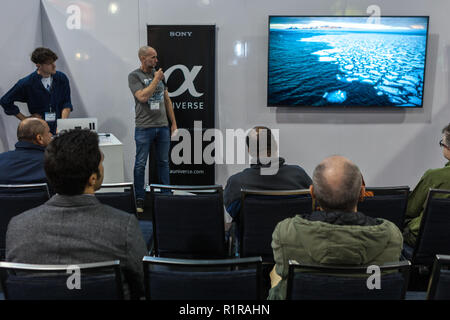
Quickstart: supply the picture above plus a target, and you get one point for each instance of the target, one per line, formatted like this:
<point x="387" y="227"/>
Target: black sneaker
<point x="140" y="205"/>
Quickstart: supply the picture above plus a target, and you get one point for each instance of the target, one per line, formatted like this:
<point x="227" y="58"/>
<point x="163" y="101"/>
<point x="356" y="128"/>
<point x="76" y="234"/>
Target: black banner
<point x="187" y="56"/>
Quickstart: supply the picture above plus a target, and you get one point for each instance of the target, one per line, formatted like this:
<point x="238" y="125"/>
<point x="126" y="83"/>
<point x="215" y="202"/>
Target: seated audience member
<point x="432" y="178"/>
<point x="268" y="172"/>
<point x="73" y="226"/>
<point x="25" y="164"/>
<point x="337" y="234"/>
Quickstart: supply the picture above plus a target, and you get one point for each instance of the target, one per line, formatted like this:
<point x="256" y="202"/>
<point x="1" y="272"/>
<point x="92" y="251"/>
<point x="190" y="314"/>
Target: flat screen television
<point x="346" y="61"/>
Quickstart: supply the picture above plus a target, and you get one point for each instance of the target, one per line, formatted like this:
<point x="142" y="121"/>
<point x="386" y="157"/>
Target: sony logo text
<point x="180" y="33"/>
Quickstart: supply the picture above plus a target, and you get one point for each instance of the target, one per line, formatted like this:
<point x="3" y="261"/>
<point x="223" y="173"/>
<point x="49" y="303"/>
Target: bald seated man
<point x="337" y="234"/>
<point x="25" y="164"/>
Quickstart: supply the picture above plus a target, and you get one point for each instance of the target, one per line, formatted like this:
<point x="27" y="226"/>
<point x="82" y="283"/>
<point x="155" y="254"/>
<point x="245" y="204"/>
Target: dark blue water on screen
<point x="348" y="68"/>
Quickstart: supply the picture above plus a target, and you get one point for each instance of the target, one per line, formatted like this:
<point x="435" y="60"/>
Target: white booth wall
<point x="392" y="147"/>
<point x="20" y="33"/>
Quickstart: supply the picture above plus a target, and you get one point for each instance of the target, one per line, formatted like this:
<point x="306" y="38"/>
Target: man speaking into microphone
<point x="153" y="110"/>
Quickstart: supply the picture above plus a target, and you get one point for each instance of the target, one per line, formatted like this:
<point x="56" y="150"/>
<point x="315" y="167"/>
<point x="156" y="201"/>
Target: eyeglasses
<point x="441" y="144"/>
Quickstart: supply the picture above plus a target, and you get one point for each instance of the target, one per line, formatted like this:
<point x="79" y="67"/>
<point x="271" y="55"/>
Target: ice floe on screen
<point x="392" y="63"/>
<point x="337" y="96"/>
<point x="327" y="59"/>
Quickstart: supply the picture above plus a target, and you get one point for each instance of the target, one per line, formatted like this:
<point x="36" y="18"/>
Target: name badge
<point x="154" y="105"/>
<point x="50" y="116"/>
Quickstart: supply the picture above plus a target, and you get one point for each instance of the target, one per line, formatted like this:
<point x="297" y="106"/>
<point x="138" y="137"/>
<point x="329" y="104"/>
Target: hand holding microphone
<point x="159" y="74"/>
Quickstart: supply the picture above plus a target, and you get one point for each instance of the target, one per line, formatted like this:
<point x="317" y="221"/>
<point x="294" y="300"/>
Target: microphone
<point x="157" y="67"/>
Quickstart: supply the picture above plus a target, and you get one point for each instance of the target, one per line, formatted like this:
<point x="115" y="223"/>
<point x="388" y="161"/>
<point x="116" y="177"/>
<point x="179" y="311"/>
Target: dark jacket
<point x="288" y="177"/>
<point x="333" y="238"/>
<point x="79" y="229"/>
<point x="39" y="99"/>
<point x="23" y="165"/>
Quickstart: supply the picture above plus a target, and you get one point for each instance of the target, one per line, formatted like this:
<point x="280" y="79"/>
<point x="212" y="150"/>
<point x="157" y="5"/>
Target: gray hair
<point x="446" y="132"/>
<point x="143" y="51"/>
<point x="341" y="196"/>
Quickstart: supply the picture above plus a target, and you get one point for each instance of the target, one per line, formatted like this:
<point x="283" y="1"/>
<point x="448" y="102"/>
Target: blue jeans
<point x="144" y="138"/>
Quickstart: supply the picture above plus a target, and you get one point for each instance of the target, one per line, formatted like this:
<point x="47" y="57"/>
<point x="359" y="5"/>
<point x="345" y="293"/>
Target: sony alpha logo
<point x="180" y="33"/>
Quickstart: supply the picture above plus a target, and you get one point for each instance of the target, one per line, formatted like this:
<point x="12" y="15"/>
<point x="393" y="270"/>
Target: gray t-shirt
<point x="153" y="112"/>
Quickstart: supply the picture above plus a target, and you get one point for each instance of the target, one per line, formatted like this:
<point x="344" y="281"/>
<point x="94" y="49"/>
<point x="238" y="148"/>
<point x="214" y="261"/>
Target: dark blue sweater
<point x="23" y="165"/>
<point x="39" y="100"/>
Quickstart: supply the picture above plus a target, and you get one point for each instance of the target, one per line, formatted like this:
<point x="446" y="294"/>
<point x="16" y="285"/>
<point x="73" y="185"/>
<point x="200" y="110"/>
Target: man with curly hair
<point x="73" y="226"/>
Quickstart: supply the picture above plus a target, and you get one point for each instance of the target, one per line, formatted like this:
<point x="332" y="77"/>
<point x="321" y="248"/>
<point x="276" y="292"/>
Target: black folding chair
<point x="123" y="199"/>
<point x="261" y="210"/>
<point x="439" y="287"/>
<point x="188" y="225"/>
<point x="434" y="235"/>
<point x="388" y="203"/>
<point x="314" y="282"/>
<point x="15" y="199"/>
<point x="90" y="281"/>
<point x="223" y="279"/>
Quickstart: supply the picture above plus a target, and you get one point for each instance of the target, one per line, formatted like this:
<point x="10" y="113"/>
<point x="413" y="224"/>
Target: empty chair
<point x="388" y="203"/>
<point x="434" y="235"/>
<point x="439" y="287"/>
<point x="15" y="199"/>
<point x="122" y="197"/>
<point x="313" y="282"/>
<point x="261" y="210"/>
<point x="188" y="225"/>
<point x="223" y="279"/>
<point x="95" y="281"/>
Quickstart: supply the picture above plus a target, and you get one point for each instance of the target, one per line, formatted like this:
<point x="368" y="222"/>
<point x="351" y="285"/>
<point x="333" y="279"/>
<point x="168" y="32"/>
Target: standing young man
<point x="154" y="110"/>
<point x="45" y="91"/>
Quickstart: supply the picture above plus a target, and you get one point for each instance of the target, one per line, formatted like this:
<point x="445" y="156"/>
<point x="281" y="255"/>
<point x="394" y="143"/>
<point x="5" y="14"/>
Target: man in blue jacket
<point x="25" y="164"/>
<point x="46" y="91"/>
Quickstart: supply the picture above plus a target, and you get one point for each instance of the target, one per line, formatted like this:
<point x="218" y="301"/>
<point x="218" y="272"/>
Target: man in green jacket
<point x="431" y="179"/>
<point x="337" y="234"/>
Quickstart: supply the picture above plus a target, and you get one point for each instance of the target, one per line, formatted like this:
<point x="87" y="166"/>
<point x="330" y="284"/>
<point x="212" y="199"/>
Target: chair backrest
<point x="123" y="200"/>
<point x="15" y="199"/>
<point x="90" y="281"/>
<point x="434" y="235"/>
<point x="388" y="203"/>
<point x="439" y="286"/>
<point x="313" y="282"/>
<point x="223" y="279"/>
<point x="188" y="225"/>
<point x="261" y="210"/>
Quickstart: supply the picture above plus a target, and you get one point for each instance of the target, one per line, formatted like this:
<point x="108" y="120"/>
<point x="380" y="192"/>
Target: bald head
<point x="34" y="130"/>
<point x="145" y="50"/>
<point x="148" y="57"/>
<point x="337" y="184"/>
